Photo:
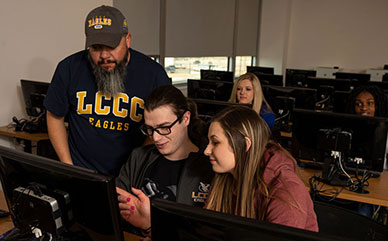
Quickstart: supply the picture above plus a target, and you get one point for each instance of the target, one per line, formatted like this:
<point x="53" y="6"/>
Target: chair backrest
<point x="345" y="223"/>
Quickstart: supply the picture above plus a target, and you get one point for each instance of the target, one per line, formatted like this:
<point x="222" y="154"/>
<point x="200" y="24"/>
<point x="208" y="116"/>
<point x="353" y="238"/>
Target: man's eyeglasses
<point x="161" y="130"/>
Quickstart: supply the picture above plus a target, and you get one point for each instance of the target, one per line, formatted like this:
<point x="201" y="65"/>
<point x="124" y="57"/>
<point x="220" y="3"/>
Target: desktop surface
<point x="378" y="188"/>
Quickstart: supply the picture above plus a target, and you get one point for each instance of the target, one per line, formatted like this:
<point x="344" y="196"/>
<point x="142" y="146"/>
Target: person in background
<point x="247" y="90"/>
<point x="368" y="100"/>
<point x="101" y="90"/>
<point x="255" y="178"/>
<point x="171" y="168"/>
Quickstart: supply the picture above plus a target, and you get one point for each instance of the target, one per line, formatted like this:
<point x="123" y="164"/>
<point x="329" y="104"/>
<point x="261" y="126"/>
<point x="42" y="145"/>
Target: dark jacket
<point x="194" y="181"/>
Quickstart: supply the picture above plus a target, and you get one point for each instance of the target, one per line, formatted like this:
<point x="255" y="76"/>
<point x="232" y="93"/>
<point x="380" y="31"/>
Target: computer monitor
<point x="209" y="89"/>
<point x="297" y="77"/>
<point x="368" y="136"/>
<point x="227" y="76"/>
<point x="338" y="84"/>
<point x="270" y="79"/>
<point x="381" y="85"/>
<point x="359" y="77"/>
<point x="260" y="70"/>
<point x="385" y="77"/>
<point x="176" y="221"/>
<point x="340" y="101"/>
<point x="82" y="201"/>
<point x="34" y="93"/>
<point x="305" y="98"/>
<point x="208" y="108"/>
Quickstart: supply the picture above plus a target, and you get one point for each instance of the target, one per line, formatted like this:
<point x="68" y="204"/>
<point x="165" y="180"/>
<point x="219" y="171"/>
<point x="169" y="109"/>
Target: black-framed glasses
<point x="161" y="130"/>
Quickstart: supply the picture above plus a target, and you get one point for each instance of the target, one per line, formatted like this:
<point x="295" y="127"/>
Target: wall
<point x="306" y="34"/>
<point x="35" y="35"/>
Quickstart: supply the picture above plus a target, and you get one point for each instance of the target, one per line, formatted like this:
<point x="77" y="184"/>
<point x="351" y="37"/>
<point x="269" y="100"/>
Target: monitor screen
<point x="260" y="70"/>
<point x="209" y="89"/>
<point x="208" y="108"/>
<point x="85" y="202"/>
<point x="297" y="77"/>
<point x="175" y="221"/>
<point x="217" y="75"/>
<point x="34" y="93"/>
<point x="338" y="84"/>
<point x="359" y="77"/>
<point x="305" y="98"/>
<point x="368" y="138"/>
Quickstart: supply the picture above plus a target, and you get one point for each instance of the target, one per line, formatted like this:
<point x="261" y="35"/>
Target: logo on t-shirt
<point x="201" y="195"/>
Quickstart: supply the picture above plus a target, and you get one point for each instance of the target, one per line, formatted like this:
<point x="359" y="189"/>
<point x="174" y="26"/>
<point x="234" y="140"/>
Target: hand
<point x="135" y="209"/>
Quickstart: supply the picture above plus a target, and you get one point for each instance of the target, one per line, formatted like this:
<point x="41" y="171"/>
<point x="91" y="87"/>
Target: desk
<point x="7" y="224"/>
<point x="378" y="188"/>
<point x="30" y="139"/>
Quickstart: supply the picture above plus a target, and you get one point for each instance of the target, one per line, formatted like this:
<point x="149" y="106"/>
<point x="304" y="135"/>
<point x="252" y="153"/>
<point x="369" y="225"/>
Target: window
<point x="241" y="64"/>
<point x="183" y="68"/>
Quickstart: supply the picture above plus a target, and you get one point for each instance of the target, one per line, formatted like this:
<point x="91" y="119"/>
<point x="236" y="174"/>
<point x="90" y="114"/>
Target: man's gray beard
<point x="110" y="82"/>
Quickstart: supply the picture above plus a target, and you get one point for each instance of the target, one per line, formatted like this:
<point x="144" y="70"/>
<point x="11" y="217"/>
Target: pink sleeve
<point x="292" y="205"/>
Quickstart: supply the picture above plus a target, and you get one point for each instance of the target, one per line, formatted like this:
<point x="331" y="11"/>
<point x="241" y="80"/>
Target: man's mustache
<point x="107" y="62"/>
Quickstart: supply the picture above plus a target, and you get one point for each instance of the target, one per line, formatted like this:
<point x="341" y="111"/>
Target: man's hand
<point x="135" y="209"/>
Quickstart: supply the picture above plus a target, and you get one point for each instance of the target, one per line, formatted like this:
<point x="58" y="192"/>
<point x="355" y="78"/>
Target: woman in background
<point x="247" y="90"/>
<point x="255" y="178"/>
<point x="368" y="100"/>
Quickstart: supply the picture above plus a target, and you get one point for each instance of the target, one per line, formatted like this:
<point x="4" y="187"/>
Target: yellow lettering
<point x="98" y="124"/>
<point x="105" y="125"/>
<point x="98" y="104"/>
<point x="81" y="109"/>
<point x="202" y="195"/>
<point x="119" y="126"/>
<point x="91" y="120"/>
<point x="112" y="127"/>
<point x="121" y="97"/>
<point x="126" y="126"/>
<point x="135" y="103"/>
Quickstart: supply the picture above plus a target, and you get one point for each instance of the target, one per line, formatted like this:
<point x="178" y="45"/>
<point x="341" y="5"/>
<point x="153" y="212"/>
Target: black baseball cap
<point x="105" y="25"/>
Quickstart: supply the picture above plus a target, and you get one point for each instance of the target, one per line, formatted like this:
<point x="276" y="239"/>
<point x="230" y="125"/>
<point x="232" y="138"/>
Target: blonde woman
<point x="255" y="178"/>
<point x="247" y="90"/>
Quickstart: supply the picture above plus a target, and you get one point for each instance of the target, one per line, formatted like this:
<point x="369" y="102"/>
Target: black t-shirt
<point x="161" y="179"/>
<point x="102" y="130"/>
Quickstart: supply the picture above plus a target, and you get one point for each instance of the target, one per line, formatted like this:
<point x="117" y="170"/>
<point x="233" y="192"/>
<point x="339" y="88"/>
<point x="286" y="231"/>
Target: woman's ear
<point x="248" y="143"/>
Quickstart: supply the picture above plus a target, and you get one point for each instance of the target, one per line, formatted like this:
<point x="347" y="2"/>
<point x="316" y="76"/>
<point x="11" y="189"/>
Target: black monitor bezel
<point x="219" y="86"/>
<point x="219" y="226"/>
<point x="362" y="78"/>
<point x="219" y="75"/>
<point x="28" y="87"/>
<point x="11" y="159"/>
<point x="289" y="91"/>
<point x="338" y="84"/>
<point x="302" y="119"/>
<point x="304" y="73"/>
<point x="260" y="70"/>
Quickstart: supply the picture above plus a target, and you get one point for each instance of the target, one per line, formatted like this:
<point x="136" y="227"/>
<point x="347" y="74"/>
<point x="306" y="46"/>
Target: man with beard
<point x="101" y="90"/>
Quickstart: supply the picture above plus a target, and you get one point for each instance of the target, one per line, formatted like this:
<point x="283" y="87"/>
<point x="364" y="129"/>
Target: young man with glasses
<point x="171" y="168"/>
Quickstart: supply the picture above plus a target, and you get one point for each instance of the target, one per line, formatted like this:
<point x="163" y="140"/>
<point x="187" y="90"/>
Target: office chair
<point x="337" y="221"/>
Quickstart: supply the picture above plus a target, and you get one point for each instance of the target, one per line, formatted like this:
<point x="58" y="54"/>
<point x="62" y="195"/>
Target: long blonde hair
<point x="239" y="123"/>
<point x="258" y="96"/>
